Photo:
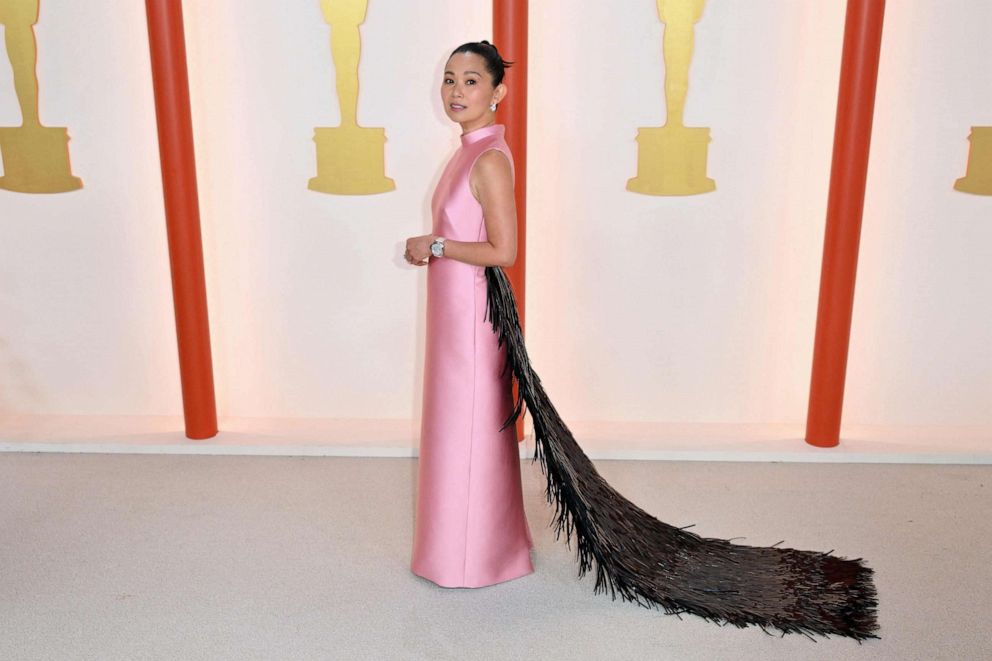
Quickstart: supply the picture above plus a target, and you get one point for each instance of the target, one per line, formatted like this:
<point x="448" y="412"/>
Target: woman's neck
<point x="475" y="126"/>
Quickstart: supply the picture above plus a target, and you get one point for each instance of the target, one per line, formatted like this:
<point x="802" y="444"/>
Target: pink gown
<point x="470" y="528"/>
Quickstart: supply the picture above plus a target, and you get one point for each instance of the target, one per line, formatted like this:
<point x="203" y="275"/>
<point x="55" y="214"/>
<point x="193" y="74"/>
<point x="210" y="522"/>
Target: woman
<point x="470" y="525"/>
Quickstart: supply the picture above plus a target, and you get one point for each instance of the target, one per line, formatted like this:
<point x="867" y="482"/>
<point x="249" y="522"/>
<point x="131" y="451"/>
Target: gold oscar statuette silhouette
<point x="671" y="159"/>
<point x="350" y="158"/>
<point x="978" y="175"/>
<point x="35" y="157"/>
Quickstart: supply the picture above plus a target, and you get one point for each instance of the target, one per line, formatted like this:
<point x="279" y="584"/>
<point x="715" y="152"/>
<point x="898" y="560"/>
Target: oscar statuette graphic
<point x="671" y="159"/>
<point x="350" y="158"/>
<point x="35" y="157"/>
<point x="978" y="174"/>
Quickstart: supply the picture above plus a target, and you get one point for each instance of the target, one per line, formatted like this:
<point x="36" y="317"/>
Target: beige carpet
<point x="225" y="557"/>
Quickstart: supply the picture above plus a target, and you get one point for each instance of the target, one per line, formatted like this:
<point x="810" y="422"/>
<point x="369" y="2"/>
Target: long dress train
<point x="657" y="565"/>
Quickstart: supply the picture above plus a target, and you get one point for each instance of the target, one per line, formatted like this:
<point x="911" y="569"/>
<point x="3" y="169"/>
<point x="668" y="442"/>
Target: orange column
<point x="852" y="138"/>
<point x="182" y="215"/>
<point x="510" y="36"/>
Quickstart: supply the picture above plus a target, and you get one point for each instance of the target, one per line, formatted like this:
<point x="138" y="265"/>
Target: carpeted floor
<point x="225" y="557"/>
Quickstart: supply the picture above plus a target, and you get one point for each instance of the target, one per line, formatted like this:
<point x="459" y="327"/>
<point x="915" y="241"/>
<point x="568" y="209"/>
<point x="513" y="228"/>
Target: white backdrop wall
<point x="697" y="308"/>
<point x="702" y="309"/>
<point x="920" y="346"/>
<point x="694" y="309"/>
<point x="313" y="311"/>
<point x="86" y="323"/>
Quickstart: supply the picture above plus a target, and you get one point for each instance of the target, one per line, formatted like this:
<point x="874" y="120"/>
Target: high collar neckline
<point x="480" y="133"/>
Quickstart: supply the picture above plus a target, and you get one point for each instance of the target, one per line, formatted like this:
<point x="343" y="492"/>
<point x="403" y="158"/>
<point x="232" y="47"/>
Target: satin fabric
<point x="470" y="528"/>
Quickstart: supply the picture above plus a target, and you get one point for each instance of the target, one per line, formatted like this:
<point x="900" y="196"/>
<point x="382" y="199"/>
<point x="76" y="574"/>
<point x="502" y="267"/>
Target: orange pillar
<point x="848" y="172"/>
<point x="510" y="37"/>
<point x="182" y="215"/>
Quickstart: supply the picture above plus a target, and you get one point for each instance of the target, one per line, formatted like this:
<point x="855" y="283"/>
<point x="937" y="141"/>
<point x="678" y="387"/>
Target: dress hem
<point x="461" y="584"/>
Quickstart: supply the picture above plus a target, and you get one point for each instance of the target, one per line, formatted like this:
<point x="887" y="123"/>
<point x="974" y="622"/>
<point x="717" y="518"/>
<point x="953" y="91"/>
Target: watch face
<point x="436" y="249"/>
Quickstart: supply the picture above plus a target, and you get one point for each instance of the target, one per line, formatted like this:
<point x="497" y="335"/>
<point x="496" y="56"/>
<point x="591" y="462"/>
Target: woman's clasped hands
<point x="418" y="250"/>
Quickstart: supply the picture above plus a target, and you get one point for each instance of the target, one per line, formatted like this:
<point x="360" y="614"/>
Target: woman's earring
<point x="492" y="106"/>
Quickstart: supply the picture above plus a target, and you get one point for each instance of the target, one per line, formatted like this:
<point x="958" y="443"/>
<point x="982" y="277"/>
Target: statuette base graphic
<point x="36" y="160"/>
<point x="671" y="160"/>
<point x="978" y="175"/>
<point x="350" y="161"/>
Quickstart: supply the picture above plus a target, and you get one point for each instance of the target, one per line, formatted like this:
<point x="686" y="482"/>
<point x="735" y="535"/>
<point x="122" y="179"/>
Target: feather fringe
<point x="656" y="565"/>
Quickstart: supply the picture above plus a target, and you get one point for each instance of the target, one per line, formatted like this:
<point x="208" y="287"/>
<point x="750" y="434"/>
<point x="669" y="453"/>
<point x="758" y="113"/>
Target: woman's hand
<point x="418" y="249"/>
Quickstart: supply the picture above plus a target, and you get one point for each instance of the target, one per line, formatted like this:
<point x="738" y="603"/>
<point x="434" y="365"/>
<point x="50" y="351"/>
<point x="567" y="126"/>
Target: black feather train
<point x="649" y="562"/>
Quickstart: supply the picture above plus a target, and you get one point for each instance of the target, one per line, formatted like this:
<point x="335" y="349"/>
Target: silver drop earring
<point x="492" y="106"/>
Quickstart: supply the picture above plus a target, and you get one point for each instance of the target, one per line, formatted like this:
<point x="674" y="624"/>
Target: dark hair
<point x="495" y="64"/>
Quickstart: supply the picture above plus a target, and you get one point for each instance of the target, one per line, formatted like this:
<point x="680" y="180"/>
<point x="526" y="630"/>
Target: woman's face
<point x="467" y="91"/>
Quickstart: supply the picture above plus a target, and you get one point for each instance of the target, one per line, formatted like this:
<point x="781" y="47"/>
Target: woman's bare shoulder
<point x="493" y="162"/>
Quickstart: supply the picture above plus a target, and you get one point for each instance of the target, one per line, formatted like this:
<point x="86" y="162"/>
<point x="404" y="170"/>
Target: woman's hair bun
<point x="495" y="64"/>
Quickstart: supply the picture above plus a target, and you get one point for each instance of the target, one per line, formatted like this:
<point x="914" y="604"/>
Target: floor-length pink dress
<point x="470" y="528"/>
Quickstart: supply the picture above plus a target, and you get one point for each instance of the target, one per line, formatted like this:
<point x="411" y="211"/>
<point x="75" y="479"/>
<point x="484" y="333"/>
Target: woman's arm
<point x="491" y="182"/>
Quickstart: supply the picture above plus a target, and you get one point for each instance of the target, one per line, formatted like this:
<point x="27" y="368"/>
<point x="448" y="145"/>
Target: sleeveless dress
<point x="470" y="528"/>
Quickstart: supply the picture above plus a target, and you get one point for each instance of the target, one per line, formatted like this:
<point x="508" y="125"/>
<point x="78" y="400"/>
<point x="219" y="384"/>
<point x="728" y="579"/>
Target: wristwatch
<point x="437" y="248"/>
